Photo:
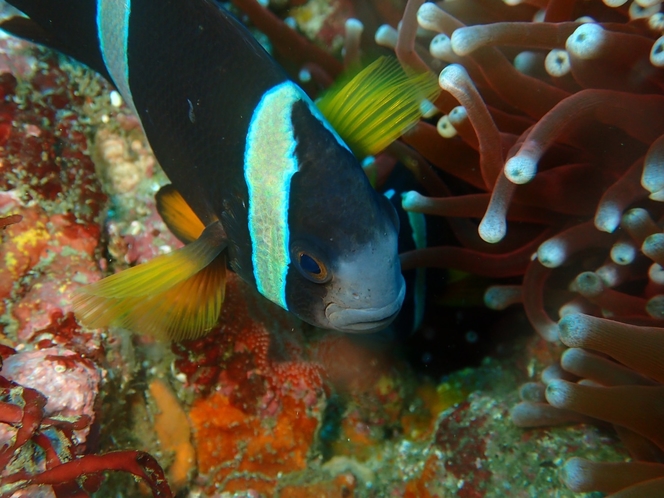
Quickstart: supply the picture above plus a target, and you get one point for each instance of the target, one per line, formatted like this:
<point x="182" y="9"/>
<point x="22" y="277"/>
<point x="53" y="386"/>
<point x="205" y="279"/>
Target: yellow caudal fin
<point x="377" y="105"/>
<point x="178" y="216"/>
<point x="175" y="296"/>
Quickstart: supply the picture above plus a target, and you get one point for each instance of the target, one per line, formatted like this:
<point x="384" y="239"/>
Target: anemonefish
<point x="262" y="183"/>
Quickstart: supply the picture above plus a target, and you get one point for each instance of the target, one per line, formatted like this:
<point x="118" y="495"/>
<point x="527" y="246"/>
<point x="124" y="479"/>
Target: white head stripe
<point x="269" y="166"/>
<point x="113" y="33"/>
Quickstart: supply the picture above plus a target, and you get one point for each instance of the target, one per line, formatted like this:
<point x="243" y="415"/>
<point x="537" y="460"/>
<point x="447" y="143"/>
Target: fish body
<point x="279" y="192"/>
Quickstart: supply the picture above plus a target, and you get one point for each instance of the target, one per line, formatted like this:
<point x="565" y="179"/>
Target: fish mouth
<point x="364" y="320"/>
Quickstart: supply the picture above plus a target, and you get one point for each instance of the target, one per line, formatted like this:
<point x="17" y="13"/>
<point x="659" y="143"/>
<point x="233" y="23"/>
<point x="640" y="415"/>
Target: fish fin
<point x="376" y="106"/>
<point x="178" y="216"/>
<point x="175" y="296"/>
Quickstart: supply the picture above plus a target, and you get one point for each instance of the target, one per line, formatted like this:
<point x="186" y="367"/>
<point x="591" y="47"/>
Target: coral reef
<point x="51" y="206"/>
<point x="238" y="450"/>
<point x="550" y="145"/>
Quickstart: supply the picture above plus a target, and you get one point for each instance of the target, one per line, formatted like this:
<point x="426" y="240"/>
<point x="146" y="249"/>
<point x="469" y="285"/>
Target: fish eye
<point x="312" y="267"/>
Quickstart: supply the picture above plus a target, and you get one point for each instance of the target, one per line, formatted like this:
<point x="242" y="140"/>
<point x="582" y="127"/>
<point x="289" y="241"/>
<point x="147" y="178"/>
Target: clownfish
<point x="261" y="182"/>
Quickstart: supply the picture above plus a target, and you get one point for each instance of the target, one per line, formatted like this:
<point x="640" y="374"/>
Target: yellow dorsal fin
<point x="377" y="105"/>
<point x="178" y="216"/>
<point x="175" y="296"/>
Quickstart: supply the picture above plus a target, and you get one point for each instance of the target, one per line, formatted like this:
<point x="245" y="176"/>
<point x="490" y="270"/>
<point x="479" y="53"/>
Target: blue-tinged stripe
<point x="113" y="33"/>
<point x="418" y="225"/>
<point x="270" y="163"/>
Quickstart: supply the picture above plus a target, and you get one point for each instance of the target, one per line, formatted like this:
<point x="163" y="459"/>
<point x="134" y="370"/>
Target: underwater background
<point x="540" y="175"/>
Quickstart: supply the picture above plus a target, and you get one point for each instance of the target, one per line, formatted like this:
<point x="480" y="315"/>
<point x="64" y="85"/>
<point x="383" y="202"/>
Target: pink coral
<point x="44" y="438"/>
<point x="69" y="382"/>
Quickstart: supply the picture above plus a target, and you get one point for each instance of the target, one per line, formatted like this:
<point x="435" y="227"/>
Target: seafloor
<point x="264" y="405"/>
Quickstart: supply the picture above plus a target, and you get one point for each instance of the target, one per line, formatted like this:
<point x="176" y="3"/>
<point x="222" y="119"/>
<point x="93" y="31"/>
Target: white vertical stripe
<point x="269" y="166"/>
<point x="113" y="32"/>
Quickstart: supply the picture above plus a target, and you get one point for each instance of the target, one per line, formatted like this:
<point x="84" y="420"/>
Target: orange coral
<point x="174" y="433"/>
<point x="239" y="451"/>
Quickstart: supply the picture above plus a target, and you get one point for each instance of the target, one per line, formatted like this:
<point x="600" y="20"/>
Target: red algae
<point x="45" y="428"/>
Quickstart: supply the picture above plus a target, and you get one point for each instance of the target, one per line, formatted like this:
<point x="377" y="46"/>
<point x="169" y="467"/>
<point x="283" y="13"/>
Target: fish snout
<point x="347" y="314"/>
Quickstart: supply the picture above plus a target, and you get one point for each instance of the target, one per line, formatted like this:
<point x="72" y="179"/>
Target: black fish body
<point x="245" y="146"/>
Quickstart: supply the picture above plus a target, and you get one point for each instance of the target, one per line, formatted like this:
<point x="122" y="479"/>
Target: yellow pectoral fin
<point x="377" y="105"/>
<point x="175" y="296"/>
<point x="178" y="216"/>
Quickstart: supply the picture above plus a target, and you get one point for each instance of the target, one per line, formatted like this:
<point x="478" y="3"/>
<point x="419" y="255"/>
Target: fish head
<point x="357" y="289"/>
<point x="344" y="271"/>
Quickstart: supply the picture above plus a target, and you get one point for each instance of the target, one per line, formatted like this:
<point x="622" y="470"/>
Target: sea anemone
<point x="555" y="164"/>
